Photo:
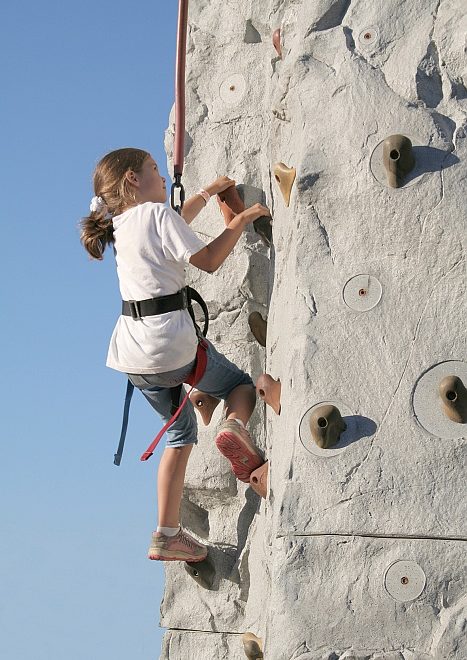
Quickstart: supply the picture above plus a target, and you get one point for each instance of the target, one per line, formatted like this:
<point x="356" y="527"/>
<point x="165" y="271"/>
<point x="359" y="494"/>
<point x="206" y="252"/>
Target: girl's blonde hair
<point x="112" y="186"/>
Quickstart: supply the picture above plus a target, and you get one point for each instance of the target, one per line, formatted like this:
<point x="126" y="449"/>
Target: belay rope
<point x="179" y="141"/>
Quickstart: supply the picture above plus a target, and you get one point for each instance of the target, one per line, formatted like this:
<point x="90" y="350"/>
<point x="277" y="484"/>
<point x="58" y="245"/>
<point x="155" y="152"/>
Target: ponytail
<point x="97" y="233"/>
<point x="114" y="196"/>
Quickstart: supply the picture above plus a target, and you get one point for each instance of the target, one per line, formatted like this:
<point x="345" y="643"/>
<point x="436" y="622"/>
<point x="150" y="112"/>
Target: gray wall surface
<point x="358" y="551"/>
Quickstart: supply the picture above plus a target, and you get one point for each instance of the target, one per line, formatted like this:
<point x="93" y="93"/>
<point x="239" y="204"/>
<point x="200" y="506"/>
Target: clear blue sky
<point x="77" y="80"/>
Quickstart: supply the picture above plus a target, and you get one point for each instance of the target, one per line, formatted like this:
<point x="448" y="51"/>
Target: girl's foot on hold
<point x="181" y="547"/>
<point x="234" y="442"/>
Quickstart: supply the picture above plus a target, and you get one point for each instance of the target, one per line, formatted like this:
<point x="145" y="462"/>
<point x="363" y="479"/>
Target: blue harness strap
<point x="126" y="411"/>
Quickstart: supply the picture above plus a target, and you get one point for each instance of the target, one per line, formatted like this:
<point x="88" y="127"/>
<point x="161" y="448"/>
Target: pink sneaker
<point x="181" y="547"/>
<point x="234" y="442"/>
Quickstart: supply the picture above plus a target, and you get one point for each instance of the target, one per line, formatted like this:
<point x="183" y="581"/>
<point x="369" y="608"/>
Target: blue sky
<point x="77" y="80"/>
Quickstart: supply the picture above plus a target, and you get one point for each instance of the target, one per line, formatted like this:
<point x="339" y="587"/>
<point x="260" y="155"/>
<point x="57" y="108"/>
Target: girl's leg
<point x="240" y="403"/>
<point x="170" y="481"/>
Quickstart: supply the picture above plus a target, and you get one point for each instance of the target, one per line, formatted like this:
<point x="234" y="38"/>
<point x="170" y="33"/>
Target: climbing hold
<point x="259" y="479"/>
<point x="276" y="40"/>
<point x="398" y="159"/>
<point x="285" y="176"/>
<point x="230" y="203"/>
<point x="202" y="572"/>
<point x="404" y="580"/>
<point x="258" y="327"/>
<point x="205" y="404"/>
<point x="253" y="646"/>
<point x="434" y="399"/>
<point x="454" y="399"/>
<point x="270" y="391"/>
<point x="346" y="438"/>
<point x="326" y="425"/>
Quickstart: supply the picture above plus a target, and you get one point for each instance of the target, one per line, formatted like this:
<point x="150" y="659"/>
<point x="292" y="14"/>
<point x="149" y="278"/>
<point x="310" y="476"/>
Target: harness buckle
<point x="185" y="299"/>
<point x="134" y="310"/>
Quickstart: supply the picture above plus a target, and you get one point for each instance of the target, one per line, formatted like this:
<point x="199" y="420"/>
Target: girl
<point x="152" y="243"/>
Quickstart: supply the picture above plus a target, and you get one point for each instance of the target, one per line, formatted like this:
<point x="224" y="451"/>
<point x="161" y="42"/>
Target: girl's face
<point x="149" y="184"/>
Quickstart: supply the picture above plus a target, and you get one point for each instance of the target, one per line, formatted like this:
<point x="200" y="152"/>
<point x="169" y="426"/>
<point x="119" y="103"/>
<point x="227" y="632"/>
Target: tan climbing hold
<point x="205" y="404"/>
<point x="230" y="204"/>
<point x="259" y="479"/>
<point x="285" y="177"/>
<point x="202" y="572"/>
<point x="326" y="425"/>
<point x="454" y="399"/>
<point x="270" y="391"/>
<point x="253" y="646"/>
<point x="276" y="40"/>
<point x="258" y="327"/>
<point x="398" y="159"/>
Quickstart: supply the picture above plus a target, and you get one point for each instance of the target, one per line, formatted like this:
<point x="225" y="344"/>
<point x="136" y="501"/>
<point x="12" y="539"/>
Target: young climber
<point x="152" y="243"/>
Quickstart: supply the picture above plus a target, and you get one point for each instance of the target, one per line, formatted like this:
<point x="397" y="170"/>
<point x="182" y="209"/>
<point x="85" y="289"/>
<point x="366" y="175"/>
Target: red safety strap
<point x="193" y="379"/>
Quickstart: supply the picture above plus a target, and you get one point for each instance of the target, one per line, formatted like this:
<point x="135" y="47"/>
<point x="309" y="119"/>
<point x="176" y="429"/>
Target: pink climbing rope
<point x="179" y="147"/>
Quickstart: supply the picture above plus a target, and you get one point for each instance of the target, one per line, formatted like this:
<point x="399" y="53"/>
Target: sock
<point x="239" y="421"/>
<point x="169" y="531"/>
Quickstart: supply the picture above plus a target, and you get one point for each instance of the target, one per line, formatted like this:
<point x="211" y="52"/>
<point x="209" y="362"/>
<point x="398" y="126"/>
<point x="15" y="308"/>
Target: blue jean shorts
<point x="219" y="379"/>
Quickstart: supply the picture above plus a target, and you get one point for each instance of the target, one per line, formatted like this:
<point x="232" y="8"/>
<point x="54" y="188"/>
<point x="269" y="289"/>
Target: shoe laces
<point x="187" y="540"/>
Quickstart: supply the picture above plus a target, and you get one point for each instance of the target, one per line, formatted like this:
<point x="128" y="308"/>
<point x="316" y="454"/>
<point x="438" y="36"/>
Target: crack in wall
<point x="367" y="535"/>
<point x="430" y="212"/>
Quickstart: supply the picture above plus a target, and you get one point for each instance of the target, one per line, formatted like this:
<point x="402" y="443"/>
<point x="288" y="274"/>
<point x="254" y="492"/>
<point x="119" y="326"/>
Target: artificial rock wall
<point x="358" y="551"/>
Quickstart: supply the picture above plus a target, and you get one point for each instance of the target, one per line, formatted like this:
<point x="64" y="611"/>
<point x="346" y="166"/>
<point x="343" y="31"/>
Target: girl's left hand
<point x="219" y="185"/>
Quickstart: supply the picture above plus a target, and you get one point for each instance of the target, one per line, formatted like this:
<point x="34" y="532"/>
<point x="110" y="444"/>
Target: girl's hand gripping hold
<point x="215" y="253"/>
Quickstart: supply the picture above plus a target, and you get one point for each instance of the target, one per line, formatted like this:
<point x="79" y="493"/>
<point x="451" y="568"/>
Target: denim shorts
<point x="219" y="379"/>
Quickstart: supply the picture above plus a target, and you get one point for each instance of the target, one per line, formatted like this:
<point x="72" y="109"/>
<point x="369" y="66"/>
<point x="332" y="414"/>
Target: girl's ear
<point x="132" y="178"/>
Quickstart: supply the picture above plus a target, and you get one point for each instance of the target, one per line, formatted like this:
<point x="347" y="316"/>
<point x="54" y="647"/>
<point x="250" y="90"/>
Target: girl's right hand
<point x="254" y="212"/>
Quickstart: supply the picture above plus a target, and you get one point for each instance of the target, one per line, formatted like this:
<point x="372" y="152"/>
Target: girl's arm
<point x="195" y="204"/>
<point x="216" y="252"/>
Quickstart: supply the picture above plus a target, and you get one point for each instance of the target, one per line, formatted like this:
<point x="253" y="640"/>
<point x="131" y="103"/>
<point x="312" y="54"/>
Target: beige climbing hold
<point x="270" y="391"/>
<point x="230" y="204"/>
<point x="258" y="327"/>
<point x="454" y="399"/>
<point x="398" y="159"/>
<point x="285" y="176"/>
<point x="259" y="479"/>
<point x="253" y="646"/>
<point x="276" y="40"/>
<point x="326" y="425"/>
<point x="203" y="572"/>
<point x="205" y="404"/>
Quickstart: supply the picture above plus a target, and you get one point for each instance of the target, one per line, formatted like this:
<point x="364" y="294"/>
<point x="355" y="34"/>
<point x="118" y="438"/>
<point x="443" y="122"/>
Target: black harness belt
<point x="154" y="306"/>
<point x="138" y="309"/>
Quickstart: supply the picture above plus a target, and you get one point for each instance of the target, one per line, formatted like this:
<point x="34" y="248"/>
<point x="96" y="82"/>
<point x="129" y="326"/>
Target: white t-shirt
<point x="152" y="244"/>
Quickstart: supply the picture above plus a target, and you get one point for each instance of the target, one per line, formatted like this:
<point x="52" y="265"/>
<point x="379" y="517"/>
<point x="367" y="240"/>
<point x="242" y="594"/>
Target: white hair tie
<point x="97" y="205"/>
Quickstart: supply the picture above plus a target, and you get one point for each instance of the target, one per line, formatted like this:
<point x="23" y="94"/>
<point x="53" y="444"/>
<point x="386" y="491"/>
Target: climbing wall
<point x="349" y="120"/>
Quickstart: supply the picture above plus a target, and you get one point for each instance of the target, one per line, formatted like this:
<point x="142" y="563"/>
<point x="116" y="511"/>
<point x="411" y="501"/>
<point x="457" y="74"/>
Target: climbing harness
<point x="179" y="146"/>
<point x="138" y="309"/>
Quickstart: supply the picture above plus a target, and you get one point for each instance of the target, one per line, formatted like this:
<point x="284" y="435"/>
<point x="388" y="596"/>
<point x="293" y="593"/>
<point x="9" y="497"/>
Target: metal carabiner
<point x="177" y="184"/>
